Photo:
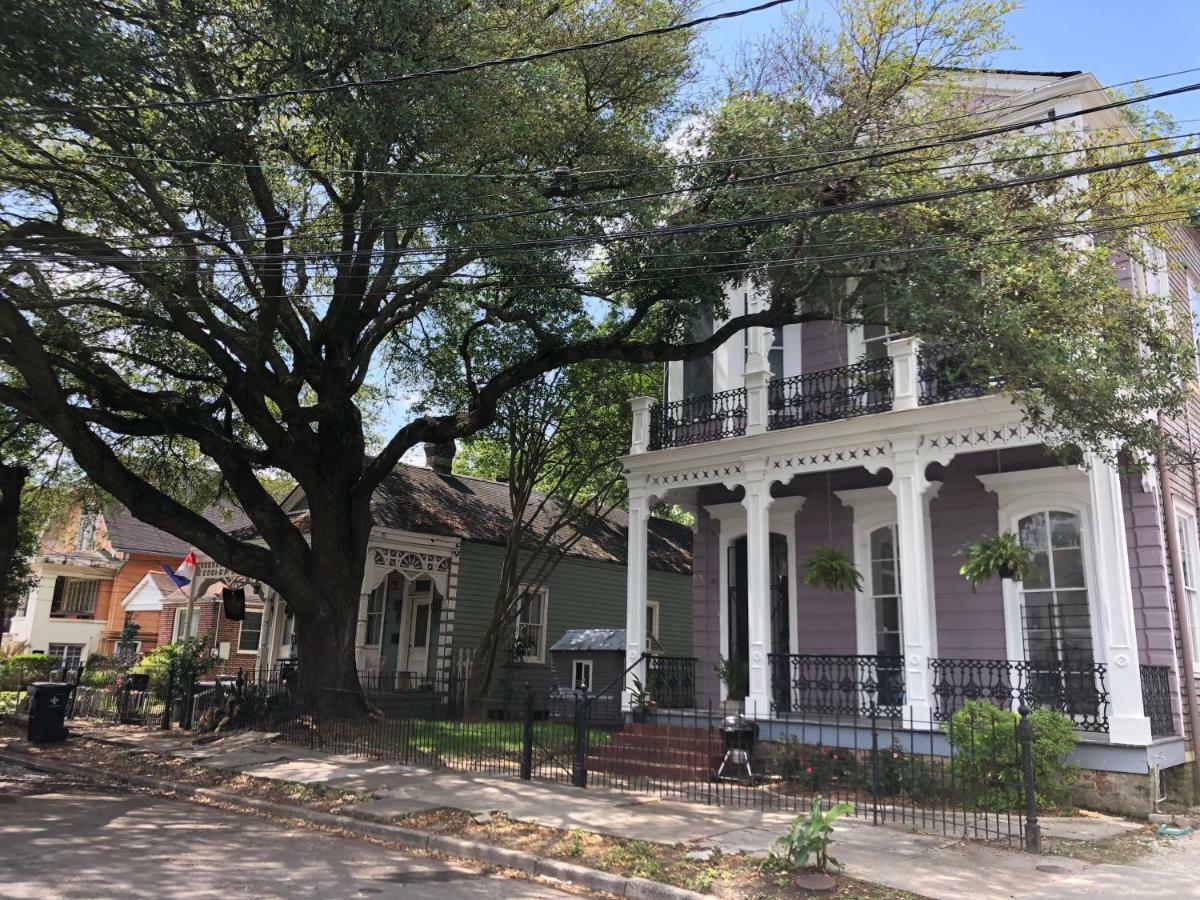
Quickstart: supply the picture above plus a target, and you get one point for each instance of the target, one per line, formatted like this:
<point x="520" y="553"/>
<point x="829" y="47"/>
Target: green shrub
<point x="905" y="775"/>
<point x="987" y="764"/>
<point x="16" y="671"/>
<point x="190" y="659"/>
<point x="806" y="842"/>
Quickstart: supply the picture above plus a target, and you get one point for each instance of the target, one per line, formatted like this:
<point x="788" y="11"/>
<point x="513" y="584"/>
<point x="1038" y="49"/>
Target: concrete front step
<point x="650" y="769"/>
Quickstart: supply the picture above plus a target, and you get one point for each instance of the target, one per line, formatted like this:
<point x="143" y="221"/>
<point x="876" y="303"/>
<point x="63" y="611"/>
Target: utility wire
<point x="873" y="205"/>
<point x="574" y="208"/>
<point x="414" y="76"/>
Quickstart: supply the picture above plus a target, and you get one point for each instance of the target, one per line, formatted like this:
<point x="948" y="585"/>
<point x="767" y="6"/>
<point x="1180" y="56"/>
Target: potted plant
<point x="831" y="569"/>
<point x="1000" y="554"/>
<point x="735" y="675"/>
<point x="643" y="705"/>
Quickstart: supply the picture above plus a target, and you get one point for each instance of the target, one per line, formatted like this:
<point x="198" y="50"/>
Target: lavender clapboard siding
<point x="823" y="346"/>
<point x="970" y="622"/>
<point x="825" y="619"/>
<point x="706" y="610"/>
<point x="1148" y="574"/>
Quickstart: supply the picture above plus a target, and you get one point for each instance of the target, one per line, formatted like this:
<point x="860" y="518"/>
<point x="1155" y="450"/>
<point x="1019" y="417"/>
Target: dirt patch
<point x="105" y="757"/>
<point x="722" y="875"/>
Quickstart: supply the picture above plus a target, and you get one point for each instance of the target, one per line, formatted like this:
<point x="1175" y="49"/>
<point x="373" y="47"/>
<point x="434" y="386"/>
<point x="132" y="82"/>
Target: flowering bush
<point x="813" y="766"/>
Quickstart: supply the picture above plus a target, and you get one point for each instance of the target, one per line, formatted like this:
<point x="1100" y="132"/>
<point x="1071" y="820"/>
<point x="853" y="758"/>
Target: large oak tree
<point x="218" y="281"/>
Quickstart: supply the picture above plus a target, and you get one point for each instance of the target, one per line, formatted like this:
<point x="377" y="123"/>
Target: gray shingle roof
<point x="130" y="535"/>
<point x="592" y="639"/>
<point x="414" y="498"/>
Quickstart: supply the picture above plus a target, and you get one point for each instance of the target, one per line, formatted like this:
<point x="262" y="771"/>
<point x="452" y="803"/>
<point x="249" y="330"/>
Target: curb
<point x="475" y="851"/>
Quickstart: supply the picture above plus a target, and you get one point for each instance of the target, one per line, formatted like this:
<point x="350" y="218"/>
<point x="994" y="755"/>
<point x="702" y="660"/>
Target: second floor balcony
<point x="911" y="375"/>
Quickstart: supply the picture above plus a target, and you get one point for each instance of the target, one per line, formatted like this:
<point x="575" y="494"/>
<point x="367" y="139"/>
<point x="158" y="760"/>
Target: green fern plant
<point x="806" y="842"/>
<point x="828" y="568"/>
<point x="1000" y="554"/>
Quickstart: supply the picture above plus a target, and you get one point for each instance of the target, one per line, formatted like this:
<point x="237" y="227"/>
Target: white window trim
<point x="1192" y="548"/>
<point x="237" y="647"/>
<point x="180" y="616"/>
<point x="1025" y="492"/>
<point x="63" y="657"/>
<point x="873" y="508"/>
<point x="382" y="589"/>
<point x="655" y="634"/>
<point x="544" y="596"/>
<point x="591" y="674"/>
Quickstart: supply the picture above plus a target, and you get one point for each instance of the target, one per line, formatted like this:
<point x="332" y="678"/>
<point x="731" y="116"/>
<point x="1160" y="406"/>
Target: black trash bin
<point x="48" y="711"/>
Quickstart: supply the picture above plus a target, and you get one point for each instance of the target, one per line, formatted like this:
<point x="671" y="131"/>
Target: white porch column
<point x="1127" y="722"/>
<point x="758" y="584"/>
<point x="906" y="384"/>
<point x="641" y="424"/>
<point x="635" y="593"/>
<point x="758" y="375"/>
<point x="360" y="633"/>
<point x="916" y="592"/>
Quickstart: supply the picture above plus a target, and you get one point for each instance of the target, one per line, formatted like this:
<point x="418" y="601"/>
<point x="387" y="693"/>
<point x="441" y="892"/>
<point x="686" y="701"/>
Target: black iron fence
<point x="837" y="684"/>
<point x="1078" y="690"/>
<point x="697" y="420"/>
<point x="964" y="781"/>
<point x="671" y="681"/>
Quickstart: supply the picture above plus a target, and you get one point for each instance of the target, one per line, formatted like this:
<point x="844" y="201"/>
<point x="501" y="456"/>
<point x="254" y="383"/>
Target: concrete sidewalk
<point x="894" y="856"/>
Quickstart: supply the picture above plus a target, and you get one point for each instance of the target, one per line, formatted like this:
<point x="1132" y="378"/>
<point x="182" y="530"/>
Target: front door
<point x="418" y="634"/>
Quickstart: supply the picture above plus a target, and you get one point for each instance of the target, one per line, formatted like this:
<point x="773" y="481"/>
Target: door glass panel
<point x="421" y="625"/>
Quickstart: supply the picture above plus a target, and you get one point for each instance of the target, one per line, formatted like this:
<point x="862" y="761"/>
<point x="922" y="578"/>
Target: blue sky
<point x="1116" y="39"/>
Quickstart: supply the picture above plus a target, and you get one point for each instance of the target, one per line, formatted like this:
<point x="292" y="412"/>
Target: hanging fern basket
<point x="1000" y="554"/>
<point x="828" y="568"/>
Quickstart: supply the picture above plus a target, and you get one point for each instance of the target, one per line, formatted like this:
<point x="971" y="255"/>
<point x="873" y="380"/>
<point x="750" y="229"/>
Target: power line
<point x="568" y="209"/>
<point x="414" y="76"/>
<point x="705" y="227"/>
<point x="766" y="265"/>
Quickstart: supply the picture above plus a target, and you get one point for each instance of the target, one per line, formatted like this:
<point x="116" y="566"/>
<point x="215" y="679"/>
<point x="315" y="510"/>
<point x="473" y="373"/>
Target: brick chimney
<point x="440" y="457"/>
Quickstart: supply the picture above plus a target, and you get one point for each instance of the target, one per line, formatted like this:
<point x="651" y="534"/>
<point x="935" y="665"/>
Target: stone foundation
<point x="1122" y="793"/>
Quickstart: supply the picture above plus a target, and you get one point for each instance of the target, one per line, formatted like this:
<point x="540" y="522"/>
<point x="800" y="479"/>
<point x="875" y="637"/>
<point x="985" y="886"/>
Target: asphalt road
<point x="65" y="838"/>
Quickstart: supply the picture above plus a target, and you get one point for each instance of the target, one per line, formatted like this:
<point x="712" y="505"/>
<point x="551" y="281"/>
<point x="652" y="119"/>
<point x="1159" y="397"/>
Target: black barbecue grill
<point x="738" y="735"/>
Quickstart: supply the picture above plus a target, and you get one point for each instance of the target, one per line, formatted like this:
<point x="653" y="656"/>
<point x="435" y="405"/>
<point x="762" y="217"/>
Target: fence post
<point x="874" y="712"/>
<point x="582" y="717"/>
<point x="189" y="699"/>
<point x="166" y="716"/>
<point x="527" y="736"/>
<point x="1033" y="831"/>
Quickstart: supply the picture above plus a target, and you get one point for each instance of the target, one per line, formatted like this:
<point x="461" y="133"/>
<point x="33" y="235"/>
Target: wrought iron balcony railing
<point x="834" y="684"/>
<point x="1078" y="690"/>
<point x="944" y="376"/>
<point x="671" y="681"/>
<point x="697" y="420"/>
<point x="841" y="393"/>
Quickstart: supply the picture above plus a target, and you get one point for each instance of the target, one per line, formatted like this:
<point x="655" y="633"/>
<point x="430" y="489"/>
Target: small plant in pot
<point x="735" y="675"/>
<point x="642" y="704"/>
<point x="831" y="569"/>
<point x="1000" y="554"/>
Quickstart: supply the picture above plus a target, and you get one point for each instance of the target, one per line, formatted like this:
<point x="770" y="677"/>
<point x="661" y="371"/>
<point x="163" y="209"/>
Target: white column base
<point x="1133" y="730"/>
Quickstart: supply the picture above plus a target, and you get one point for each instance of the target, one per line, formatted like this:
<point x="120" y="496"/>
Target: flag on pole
<point x="186" y="571"/>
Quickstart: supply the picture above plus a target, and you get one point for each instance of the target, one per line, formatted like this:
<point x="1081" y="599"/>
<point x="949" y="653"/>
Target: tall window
<point x="582" y="676"/>
<point x="375" y="601"/>
<point x="70" y="654"/>
<point x="1186" y="523"/>
<point x="250" y="632"/>
<point x="531" y="624"/>
<point x="1057" y="618"/>
<point x="74" y="596"/>
<point x="698" y="372"/>
<point x="652" y="625"/>
<point x="885" y="592"/>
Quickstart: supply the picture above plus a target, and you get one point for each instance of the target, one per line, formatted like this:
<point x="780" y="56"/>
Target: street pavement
<point x="65" y="838"/>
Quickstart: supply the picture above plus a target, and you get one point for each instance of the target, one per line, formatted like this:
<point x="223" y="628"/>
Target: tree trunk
<point x="12" y="482"/>
<point x="328" y="674"/>
<point x="484" y="664"/>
